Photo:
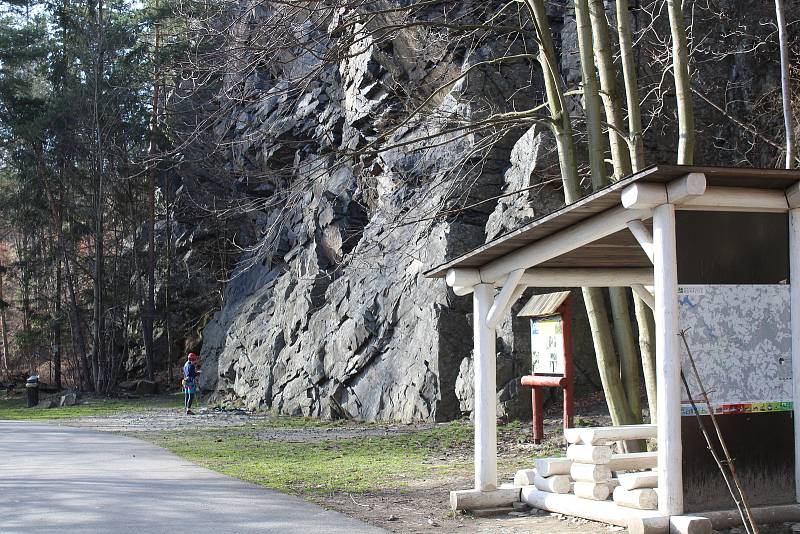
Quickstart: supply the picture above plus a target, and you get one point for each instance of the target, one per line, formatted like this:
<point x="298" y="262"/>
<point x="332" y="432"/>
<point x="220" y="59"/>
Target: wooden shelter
<point x="626" y="235"/>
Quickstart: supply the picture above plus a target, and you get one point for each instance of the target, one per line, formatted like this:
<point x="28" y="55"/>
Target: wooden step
<point x="524" y="477"/>
<point x="643" y="479"/>
<point x="552" y="466"/>
<point x="603" y="435"/>
<point x="641" y="499"/>
<point x="633" y="461"/>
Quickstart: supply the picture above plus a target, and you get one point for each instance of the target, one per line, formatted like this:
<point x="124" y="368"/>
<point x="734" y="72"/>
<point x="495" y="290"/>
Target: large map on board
<point x="741" y="342"/>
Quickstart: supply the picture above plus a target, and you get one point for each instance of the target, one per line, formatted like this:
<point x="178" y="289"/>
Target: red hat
<point x="192" y="357"/>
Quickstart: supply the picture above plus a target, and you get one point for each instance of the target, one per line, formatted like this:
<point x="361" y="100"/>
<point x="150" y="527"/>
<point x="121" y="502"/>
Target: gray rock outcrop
<point x="326" y="312"/>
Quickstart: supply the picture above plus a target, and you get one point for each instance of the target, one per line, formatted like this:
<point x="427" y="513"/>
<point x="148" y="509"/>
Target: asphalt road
<point x="71" y="480"/>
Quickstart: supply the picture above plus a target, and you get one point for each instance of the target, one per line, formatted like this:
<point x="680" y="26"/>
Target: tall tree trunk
<point x="3" y="327"/>
<point x="620" y="156"/>
<point x="168" y="288"/>
<point x="593" y="297"/>
<point x="98" y="352"/>
<point x="785" y="88"/>
<point x="148" y="315"/>
<point x="644" y="315"/>
<point x="57" y="328"/>
<point x="683" y="90"/>
<point x="646" y="323"/>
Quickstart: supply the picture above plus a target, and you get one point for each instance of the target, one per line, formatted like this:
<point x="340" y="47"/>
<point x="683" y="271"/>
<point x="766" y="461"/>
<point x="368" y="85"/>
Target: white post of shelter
<point x="485" y="397"/>
<point x="794" y="310"/>
<point x="668" y="362"/>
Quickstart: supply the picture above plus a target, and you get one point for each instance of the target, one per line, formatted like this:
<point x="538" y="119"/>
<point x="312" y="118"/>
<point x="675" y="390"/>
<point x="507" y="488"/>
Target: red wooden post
<point x="538" y="414"/>
<point x="569" y="399"/>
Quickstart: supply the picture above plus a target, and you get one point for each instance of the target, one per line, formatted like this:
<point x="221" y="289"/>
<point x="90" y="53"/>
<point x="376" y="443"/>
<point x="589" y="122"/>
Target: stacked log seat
<point x="590" y="470"/>
<point x="594" y="465"/>
<point x="551" y="475"/>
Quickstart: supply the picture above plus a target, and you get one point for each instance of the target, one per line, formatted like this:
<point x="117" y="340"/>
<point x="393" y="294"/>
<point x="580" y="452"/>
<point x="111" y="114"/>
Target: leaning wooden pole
<point x="728" y="460"/>
<point x="714" y="454"/>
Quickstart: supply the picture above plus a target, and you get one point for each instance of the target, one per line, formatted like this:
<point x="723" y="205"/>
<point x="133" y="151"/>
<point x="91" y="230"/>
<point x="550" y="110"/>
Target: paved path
<point x="71" y="480"/>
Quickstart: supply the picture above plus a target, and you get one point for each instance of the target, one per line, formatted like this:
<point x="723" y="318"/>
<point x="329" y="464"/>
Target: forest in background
<point x="108" y="109"/>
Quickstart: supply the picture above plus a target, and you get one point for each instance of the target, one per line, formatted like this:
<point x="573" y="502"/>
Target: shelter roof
<point x="619" y="249"/>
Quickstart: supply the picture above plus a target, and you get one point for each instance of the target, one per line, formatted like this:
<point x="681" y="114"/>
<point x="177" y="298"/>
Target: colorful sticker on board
<point x="547" y="345"/>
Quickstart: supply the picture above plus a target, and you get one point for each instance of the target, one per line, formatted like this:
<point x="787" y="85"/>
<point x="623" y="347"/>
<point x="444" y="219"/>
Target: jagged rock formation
<point x="327" y="312"/>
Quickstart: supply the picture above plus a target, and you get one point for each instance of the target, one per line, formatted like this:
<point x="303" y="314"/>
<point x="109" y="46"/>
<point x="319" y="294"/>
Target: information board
<point x="547" y="345"/>
<point x="740" y="339"/>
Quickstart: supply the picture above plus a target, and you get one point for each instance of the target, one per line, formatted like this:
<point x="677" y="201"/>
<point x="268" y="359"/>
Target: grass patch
<point x="318" y="465"/>
<point x="13" y="407"/>
<point x="347" y="465"/>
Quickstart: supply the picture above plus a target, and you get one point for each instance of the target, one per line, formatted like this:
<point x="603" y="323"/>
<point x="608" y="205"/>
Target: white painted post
<point x="668" y="362"/>
<point x="794" y="310"/>
<point x="485" y="391"/>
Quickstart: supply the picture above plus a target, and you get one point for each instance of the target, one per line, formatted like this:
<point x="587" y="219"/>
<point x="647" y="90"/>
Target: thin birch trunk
<point x="607" y="363"/>
<point x="620" y="156"/>
<point x="646" y="323"/>
<point x="149" y="308"/>
<point x="594" y="42"/>
<point x="591" y="95"/>
<point x="556" y="103"/>
<point x="631" y="81"/>
<point x="626" y="346"/>
<point x="785" y="88"/>
<point x="98" y="318"/>
<point x="683" y="90"/>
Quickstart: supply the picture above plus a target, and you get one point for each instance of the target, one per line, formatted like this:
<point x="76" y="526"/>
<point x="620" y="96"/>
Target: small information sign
<point x="547" y="345"/>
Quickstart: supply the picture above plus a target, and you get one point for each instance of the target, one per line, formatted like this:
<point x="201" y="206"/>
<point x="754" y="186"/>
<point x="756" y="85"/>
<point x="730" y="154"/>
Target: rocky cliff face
<point x="327" y="312"/>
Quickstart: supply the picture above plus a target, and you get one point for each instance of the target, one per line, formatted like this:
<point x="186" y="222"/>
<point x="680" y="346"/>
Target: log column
<point x="668" y="362"/>
<point x="485" y="391"/>
<point x="794" y="309"/>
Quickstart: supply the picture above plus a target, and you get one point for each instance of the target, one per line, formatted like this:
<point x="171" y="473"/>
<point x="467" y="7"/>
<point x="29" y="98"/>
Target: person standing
<point x="190" y="372"/>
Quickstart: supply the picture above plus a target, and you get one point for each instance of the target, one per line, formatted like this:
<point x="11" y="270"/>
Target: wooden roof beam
<point x="678" y="191"/>
<point x="690" y="193"/>
<point x="565" y="277"/>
